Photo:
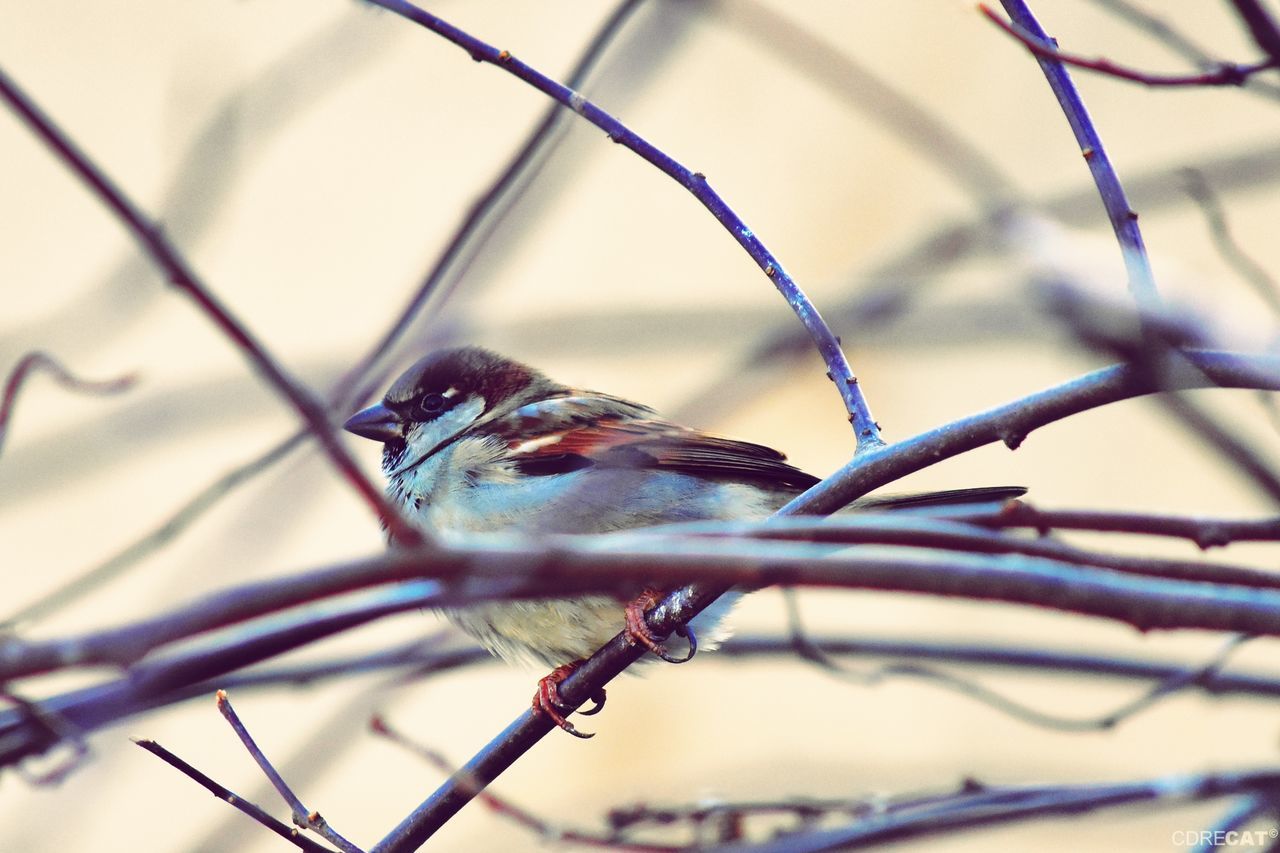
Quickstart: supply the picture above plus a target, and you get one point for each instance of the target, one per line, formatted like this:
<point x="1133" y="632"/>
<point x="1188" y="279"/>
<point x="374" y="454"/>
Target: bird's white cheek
<point x="425" y="437"/>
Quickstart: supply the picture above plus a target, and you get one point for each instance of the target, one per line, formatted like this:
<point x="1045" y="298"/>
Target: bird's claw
<point x="547" y="700"/>
<point x="639" y="634"/>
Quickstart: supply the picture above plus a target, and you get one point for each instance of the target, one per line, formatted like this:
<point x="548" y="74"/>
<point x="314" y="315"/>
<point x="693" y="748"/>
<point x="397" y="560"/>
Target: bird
<point x="474" y="441"/>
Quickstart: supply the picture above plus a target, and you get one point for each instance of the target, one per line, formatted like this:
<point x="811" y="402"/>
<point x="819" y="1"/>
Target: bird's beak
<point x="376" y="422"/>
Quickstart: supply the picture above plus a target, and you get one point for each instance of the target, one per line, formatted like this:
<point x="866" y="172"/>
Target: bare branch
<point x="1262" y="26"/>
<point x="152" y="240"/>
<point x="513" y="812"/>
<point x="1225" y="74"/>
<point x="302" y="816"/>
<point x="979" y="806"/>
<point x="482" y="211"/>
<point x="117" y="564"/>
<point x="228" y="796"/>
<point x="1124" y="220"/>
<point x="33" y="361"/>
<point x="1205" y="532"/>
<point x="1263" y="283"/>
<point x="838" y="369"/>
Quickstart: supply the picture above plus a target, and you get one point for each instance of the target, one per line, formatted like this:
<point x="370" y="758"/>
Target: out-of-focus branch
<point x="1261" y="25"/>
<point x="95" y="576"/>
<point x="152" y="240"/>
<point x="499" y="567"/>
<point x="1124" y="220"/>
<point x="34" y="727"/>
<point x="155" y="681"/>
<point x="517" y="814"/>
<point x="1263" y="283"/>
<point x="1205" y="532"/>
<point x="827" y="63"/>
<point x="909" y="529"/>
<point x="972" y="808"/>
<point x="1171" y="684"/>
<point x="34" y="361"/>
<point x="864" y="425"/>
<point x="482" y="210"/>
<point x="344" y="392"/>
<point x="1151" y="340"/>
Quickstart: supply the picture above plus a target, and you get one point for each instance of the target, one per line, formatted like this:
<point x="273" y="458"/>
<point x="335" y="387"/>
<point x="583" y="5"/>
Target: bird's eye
<point x="432" y="404"/>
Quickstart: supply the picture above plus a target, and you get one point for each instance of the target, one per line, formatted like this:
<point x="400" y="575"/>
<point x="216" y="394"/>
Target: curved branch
<point x="33" y="361"/>
<point x="1013" y="422"/>
<point x="1124" y="220"/>
<point x="838" y="369"/>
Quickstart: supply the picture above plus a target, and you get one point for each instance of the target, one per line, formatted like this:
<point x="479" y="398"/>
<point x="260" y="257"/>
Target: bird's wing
<point x="571" y="433"/>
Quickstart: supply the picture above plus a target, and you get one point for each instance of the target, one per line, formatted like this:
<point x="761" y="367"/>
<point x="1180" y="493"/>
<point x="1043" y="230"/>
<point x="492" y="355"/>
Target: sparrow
<point x="474" y="441"/>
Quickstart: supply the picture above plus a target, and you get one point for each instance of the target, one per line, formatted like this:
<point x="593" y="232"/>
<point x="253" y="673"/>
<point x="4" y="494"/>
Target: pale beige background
<point x="312" y="156"/>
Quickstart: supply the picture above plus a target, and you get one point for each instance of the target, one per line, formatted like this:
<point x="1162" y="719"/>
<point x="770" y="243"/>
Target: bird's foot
<point x="547" y="699"/>
<point x="639" y="634"/>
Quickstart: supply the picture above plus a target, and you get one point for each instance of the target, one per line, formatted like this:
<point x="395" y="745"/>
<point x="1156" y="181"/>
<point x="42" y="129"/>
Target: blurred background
<point x="312" y="159"/>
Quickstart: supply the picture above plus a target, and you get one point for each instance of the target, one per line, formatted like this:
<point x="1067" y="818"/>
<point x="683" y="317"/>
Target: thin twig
<point x="33" y="361"/>
<point x="1263" y="283"/>
<point x="1170" y="684"/>
<point x="95" y="576"/>
<point x="1205" y="532"/>
<point x="1124" y="220"/>
<point x="839" y="371"/>
<point x="1225" y="74"/>
<point x="302" y="816"/>
<point x="152" y="240"/>
<point x="470" y="228"/>
<point x="826" y="61"/>
<point x="1153" y="26"/>
<point x="280" y="828"/>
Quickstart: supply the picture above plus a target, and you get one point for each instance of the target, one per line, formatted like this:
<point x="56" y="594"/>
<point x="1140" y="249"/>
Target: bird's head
<point x="444" y="396"/>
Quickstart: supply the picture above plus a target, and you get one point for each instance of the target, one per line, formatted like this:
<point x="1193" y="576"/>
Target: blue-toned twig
<point x="228" y="796"/>
<point x="864" y="425"/>
<point x="1124" y="219"/>
<point x="302" y="817"/>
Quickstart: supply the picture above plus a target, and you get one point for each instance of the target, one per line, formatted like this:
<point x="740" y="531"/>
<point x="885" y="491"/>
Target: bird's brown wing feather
<point x="650" y="443"/>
